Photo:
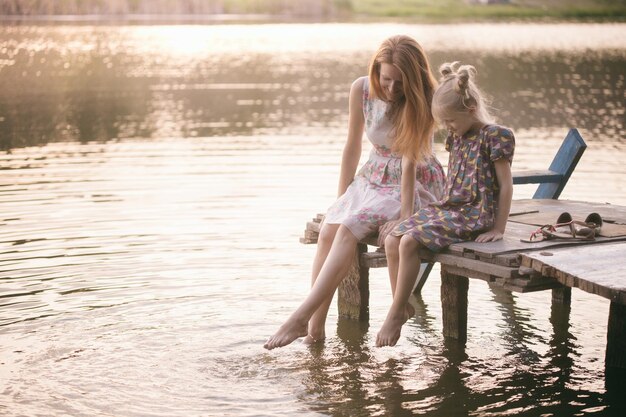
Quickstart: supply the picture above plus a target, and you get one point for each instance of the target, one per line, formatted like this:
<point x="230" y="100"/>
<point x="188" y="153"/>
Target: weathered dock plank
<point x="599" y="269"/>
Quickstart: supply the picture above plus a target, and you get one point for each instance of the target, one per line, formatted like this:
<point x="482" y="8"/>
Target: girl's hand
<point x="489" y="236"/>
<point x="385" y="230"/>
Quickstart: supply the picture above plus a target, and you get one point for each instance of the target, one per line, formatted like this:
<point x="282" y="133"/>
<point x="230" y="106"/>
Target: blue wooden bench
<point x="552" y="181"/>
<point x="353" y="299"/>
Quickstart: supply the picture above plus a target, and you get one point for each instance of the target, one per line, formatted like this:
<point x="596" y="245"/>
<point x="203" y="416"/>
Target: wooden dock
<point x="598" y="267"/>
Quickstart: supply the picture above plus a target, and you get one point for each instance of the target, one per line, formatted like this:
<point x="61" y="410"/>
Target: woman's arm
<point x="407" y="188"/>
<point x="352" y="149"/>
<point x="505" y="182"/>
<point x="407" y="198"/>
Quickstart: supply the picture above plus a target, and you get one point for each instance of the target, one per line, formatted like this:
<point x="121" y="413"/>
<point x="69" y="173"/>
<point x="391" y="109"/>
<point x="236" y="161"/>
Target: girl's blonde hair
<point x="411" y="114"/>
<point x="458" y="92"/>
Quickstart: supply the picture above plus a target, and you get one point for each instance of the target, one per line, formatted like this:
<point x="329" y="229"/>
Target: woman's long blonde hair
<point x="411" y="114"/>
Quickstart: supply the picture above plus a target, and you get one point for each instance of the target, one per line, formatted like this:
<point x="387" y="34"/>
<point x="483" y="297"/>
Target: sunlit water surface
<point x="143" y="268"/>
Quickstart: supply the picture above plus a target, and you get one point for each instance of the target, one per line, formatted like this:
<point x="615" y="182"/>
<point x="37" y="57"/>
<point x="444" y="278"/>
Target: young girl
<point x="392" y="106"/>
<point x="478" y="194"/>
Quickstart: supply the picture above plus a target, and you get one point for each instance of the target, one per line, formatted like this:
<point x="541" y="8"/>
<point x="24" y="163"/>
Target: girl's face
<point x="459" y="123"/>
<point x="391" y="82"/>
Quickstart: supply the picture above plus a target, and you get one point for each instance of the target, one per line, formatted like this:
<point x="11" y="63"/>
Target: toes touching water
<point x="292" y="329"/>
<point x="390" y="332"/>
<point x="286" y="334"/>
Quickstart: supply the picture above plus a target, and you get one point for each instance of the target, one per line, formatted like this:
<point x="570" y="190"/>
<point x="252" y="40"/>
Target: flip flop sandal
<point x="564" y="221"/>
<point x="588" y="229"/>
<point x="576" y="229"/>
<point x="596" y="220"/>
<point x="553" y="231"/>
<point x="545" y="232"/>
<point x="550" y="232"/>
<point x="582" y="230"/>
<point x="582" y="233"/>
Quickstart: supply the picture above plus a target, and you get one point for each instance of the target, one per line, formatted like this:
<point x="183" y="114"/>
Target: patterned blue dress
<point x="373" y="197"/>
<point x="471" y="193"/>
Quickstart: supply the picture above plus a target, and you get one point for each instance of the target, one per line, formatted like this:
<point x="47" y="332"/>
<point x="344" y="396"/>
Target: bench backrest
<point x="552" y="181"/>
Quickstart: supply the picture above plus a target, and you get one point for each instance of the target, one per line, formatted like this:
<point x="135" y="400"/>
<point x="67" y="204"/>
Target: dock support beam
<point x="562" y="295"/>
<point x="354" y="293"/>
<point x="616" y="337"/>
<point x="454" y="305"/>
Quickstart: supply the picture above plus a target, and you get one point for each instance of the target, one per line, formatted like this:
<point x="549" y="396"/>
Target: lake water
<point x="155" y="182"/>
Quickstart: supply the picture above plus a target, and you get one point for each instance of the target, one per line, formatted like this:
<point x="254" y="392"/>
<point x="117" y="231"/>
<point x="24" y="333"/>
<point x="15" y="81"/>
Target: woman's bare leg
<point x="408" y="269"/>
<point x="317" y="324"/>
<point x="331" y="273"/>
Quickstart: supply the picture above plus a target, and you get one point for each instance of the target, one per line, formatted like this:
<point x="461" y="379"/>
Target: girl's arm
<point x="505" y="182"/>
<point x="352" y="149"/>
<point x="407" y="198"/>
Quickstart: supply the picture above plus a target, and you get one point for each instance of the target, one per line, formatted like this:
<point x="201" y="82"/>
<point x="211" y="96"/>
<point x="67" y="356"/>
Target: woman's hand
<point x="385" y="229"/>
<point x="489" y="236"/>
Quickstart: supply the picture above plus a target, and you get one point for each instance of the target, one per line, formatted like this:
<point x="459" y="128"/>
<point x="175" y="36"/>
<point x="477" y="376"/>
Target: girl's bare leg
<point x="408" y="269"/>
<point x="392" y="252"/>
<point x="317" y="324"/>
<point x="331" y="273"/>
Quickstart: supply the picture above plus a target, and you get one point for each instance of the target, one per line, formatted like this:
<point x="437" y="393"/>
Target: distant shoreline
<point x="288" y="18"/>
<point x="311" y="11"/>
<point x="128" y="18"/>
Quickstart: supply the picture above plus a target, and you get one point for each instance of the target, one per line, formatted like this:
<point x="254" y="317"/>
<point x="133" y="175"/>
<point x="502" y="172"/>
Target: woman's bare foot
<point x="390" y="332"/>
<point x="287" y="333"/>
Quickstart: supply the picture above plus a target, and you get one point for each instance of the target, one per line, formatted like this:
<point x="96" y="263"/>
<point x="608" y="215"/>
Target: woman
<point x="401" y="175"/>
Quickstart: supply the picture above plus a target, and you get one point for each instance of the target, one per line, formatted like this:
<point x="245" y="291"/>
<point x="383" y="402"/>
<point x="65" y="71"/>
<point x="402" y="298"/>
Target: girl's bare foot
<point x="287" y="333"/>
<point x="316" y="333"/>
<point x="309" y="340"/>
<point x="313" y="337"/>
<point x="390" y="332"/>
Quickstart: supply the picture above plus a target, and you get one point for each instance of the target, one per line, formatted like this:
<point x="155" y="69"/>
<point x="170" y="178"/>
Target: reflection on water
<point x="94" y="83"/>
<point x="141" y="276"/>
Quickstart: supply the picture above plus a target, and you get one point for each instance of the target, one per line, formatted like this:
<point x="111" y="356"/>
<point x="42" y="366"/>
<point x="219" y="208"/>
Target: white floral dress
<point x="373" y="197"/>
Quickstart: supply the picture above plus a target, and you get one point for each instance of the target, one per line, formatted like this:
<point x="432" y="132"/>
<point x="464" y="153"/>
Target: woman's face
<point x="391" y="82"/>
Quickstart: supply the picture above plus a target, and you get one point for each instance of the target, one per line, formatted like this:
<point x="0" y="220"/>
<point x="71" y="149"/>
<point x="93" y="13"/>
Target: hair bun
<point x="447" y="69"/>
<point x="464" y="74"/>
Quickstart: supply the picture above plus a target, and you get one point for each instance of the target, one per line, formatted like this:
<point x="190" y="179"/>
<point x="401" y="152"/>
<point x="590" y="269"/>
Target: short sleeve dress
<point x="471" y="193"/>
<point x="373" y="197"/>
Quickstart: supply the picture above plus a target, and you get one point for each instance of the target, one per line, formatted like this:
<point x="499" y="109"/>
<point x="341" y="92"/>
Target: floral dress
<point x="471" y="194"/>
<point x="373" y="197"/>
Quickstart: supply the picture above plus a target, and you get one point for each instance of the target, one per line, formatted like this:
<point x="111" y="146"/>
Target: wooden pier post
<point x="562" y="295"/>
<point x="354" y="294"/>
<point x="454" y="305"/>
<point x="616" y="337"/>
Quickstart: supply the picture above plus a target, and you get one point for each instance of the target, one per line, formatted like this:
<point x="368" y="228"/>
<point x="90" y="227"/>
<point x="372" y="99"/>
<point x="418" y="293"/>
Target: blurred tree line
<point x="437" y="9"/>
<point x="121" y="7"/>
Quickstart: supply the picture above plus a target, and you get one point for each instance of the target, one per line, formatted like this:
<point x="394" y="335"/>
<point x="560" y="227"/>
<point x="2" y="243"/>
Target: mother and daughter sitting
<point x="401" y="191"/>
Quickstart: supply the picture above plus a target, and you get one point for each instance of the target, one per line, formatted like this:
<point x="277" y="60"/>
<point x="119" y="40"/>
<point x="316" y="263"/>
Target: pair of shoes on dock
<point x="566" y="228"/>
